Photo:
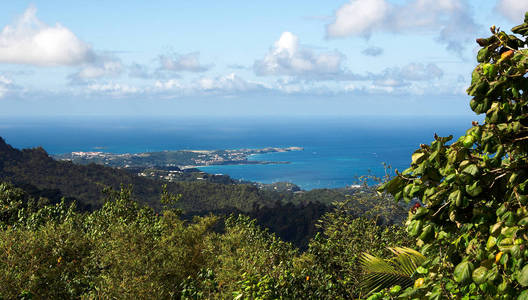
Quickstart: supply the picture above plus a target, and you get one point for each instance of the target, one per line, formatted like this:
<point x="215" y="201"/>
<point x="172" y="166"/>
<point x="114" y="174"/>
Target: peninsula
<point x="181" y="159"/>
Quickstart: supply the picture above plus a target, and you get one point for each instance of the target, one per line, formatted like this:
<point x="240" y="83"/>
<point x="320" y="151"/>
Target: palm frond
<point x="383" y="273"/>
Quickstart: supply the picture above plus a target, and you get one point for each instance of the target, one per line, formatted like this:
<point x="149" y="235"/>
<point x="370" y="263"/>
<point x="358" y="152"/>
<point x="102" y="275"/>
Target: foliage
<point x="473" y="224"/>
<point x="333" y="257"/>
<point x="385" y="273"/>
<point x="249" y="261"/>
<point x="127" y="250"/>
<point x="122" y="250"/>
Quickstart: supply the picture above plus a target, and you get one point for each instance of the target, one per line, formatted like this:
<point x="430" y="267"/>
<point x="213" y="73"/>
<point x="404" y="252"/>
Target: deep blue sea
<point x="336" y="149"/>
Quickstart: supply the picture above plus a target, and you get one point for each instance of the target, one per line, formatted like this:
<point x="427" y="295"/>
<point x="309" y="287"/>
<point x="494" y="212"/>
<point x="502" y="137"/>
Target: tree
<point x="474" y="220"/>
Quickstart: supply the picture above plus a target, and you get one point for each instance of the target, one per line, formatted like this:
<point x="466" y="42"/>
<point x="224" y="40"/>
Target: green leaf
<point x="384" y="273"/>
<point x="468" y="141"/>
<point x="392" y="186"/>
<point x="523" y="295"/>
<point x="492" y="241"/>
<point x="501" y="210"/>
<point x="480" y="275"/>
<point x="450" y="178"/>
<point x="395" y="290"/>
<point x="427" y="233"/>
<point x="375" y="297"/>
<point x="516" y="251"/>
<point x="482" y="55"/>
<point x="420" y="211"/>
<point x="414" y="227"/>
<point x="475" y="189"/>
<point x="523" y="221"/>
<point x="417" y="157"/>
<point x="455" y="196"/>
<point x="471" y="170"/>
<point x="462" y="273"/>
<point x="523" y="276"/>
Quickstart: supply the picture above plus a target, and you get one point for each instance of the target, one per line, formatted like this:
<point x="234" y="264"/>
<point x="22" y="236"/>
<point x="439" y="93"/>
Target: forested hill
<point x="34" y="167"/>
<point x="291" y="215"/>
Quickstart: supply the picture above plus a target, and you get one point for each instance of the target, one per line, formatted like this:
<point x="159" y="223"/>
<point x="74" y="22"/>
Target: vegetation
<point x="126" y="250"/>
<point x="473" y="225"/>
<point x="397" y="271"/>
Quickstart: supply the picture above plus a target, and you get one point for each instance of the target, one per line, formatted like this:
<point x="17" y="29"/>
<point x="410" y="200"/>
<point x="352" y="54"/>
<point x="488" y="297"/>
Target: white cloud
<point x="98" y="70"/>
<point x="414" y="72"/>
<point x="412" y="77"/>
<point x="171" y="84"/>
<point x="5" y="81"/>
<point x="451" y="19"/>
<point x="359" y="17"/>
<point x="103" y="66"/>
<point x="220" y="85"/>
<point x="5" y="85"/>
<point x="514" y="10"/>
<point x="189" y="62"/>
<point x="390" y="82"/>
<point x="30" y="41"/>
<point x="228" y="83"/>
<point x="288" y="57"/>
<point x="114" y="89"/>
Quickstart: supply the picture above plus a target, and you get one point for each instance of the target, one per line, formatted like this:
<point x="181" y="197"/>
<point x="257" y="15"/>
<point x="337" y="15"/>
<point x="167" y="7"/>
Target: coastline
<point x="182" y="159"/>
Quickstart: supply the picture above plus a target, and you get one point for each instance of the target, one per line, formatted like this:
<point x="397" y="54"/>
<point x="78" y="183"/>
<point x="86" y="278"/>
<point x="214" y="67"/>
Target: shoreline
<point x="183" y="159"/>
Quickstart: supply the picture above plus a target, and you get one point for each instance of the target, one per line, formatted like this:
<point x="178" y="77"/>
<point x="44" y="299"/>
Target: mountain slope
<point x="85" y="182"/>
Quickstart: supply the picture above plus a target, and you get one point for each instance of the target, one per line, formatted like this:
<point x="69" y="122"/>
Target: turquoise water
<point x="336" y="150"/>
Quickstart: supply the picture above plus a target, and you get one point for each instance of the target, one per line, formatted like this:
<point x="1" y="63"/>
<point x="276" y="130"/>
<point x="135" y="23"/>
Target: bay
<point x="337" y="150"/>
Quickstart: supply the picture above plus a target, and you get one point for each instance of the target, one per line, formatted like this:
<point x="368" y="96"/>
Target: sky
<point x="243" y="58"/>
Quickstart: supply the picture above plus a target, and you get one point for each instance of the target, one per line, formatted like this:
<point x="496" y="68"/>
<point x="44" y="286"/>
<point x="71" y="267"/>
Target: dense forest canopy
<point x="127" y="250"/>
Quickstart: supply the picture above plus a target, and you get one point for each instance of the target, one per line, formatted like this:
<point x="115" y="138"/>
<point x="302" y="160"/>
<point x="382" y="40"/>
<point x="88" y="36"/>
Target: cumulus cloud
<point x="359" y="17"/>
<point x="403" y="76"/>
<point x="105" y="68"/>
<point x="189" y="62"/>
<point x="219" y="85"/>
<point x="373" y="51"/>
<point x="288" y="57"/>
<point x="113" y="89"/>
<point x="102" y="66"/>
<point x="228" y="83"/>
<point x="171" y="84"/>
<point x="30" y="41"/>
<point x="512" y="9"/>
<point x="414" y="72"/>
<point x="451" y="19"/>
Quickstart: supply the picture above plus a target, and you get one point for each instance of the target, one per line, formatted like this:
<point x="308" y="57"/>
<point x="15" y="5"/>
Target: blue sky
<point x="358" y="57"/>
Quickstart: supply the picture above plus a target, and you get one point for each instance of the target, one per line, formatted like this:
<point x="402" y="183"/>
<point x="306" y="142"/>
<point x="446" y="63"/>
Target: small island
<point x="181" y="159"/>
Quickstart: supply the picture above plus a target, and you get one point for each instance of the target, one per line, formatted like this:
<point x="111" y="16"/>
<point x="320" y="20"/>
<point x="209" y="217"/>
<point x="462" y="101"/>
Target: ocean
<point x="337" y="150"/>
